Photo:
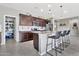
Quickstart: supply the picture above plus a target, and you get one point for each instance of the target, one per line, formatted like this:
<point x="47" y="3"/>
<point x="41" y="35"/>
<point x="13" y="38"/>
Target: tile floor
<point x="18" y="49"/>
<point x="26" y="49"/>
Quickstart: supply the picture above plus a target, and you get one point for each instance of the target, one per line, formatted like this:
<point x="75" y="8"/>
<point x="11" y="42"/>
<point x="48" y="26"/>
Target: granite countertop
<point x="39" y="32"/>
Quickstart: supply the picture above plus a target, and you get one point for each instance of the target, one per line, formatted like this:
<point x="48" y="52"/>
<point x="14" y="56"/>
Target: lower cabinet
<point x="26" y="36"/>
<point x="36" y="41"/>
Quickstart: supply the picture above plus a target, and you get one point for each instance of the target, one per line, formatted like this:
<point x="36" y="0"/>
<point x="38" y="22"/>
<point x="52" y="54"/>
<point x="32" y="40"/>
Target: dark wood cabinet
<point x="26" y="36"/>
<point x="26" y="20"/>
<point x="42" y="23"/>
<point x="36" y="41"/>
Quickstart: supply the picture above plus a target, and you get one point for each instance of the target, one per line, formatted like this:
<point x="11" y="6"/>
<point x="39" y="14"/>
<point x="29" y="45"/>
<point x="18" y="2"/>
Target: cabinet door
<point x="25" y="20"/>
<point x="30" y="36"/>
<point x="42" y="22"/>
<point x="24" y="37"/>
<point x="36" y="41"/>
<point x="27" y="36"/>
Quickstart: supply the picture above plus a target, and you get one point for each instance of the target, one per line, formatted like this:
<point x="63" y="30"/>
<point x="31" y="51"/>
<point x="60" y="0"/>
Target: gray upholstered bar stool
<point x="54" y="37"/>
<point x="63" y="35"/>
<point x="67" y="39"/>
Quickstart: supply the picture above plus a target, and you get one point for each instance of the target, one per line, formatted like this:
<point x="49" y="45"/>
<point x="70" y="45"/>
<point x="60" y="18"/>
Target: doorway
<point x="74" y="27"/>
<point x="10" y="29"/>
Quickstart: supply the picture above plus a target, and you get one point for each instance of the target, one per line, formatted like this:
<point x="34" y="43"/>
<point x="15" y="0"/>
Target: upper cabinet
<point x="26" y="20"/>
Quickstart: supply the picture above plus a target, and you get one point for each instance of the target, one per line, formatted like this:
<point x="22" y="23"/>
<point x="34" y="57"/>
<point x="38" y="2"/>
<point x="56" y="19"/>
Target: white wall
<point x="66" y="27"/>
<point x="8" y="11"/>
<point x="74" y="21"/>
<point x="74" y="31"/>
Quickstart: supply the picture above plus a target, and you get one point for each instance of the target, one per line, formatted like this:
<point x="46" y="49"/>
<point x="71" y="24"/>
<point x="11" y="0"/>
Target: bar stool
<point x="67" y="40"/>
<point x="59" y="43"/>
<point x="54" y="37"/>
<point x="63" y="35"/>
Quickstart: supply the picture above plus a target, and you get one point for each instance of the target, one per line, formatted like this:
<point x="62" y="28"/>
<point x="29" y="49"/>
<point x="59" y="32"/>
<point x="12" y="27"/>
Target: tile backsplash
<point x="30" y="28"/>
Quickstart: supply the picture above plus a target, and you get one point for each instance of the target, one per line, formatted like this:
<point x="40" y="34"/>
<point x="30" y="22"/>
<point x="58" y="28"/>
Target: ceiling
<point x="46" y="10"/>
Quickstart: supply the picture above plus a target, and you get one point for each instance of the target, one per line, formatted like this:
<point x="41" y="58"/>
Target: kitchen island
<point x="39" y="38"/>
<point x="40" y="41"/>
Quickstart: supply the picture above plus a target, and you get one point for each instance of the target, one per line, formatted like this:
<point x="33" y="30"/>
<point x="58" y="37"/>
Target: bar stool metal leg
<point x="55" y="47"/>
<point x="67" y="43"/>
<point x="63" y="43"/>
<point x="47" y="44"/>
<point x="68" y="40"/>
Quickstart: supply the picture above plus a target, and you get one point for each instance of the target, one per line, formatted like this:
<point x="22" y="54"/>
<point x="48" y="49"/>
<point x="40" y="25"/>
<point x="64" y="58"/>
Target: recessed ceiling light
<point x="41" y="10"/>
<point x="49" y="5"/>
